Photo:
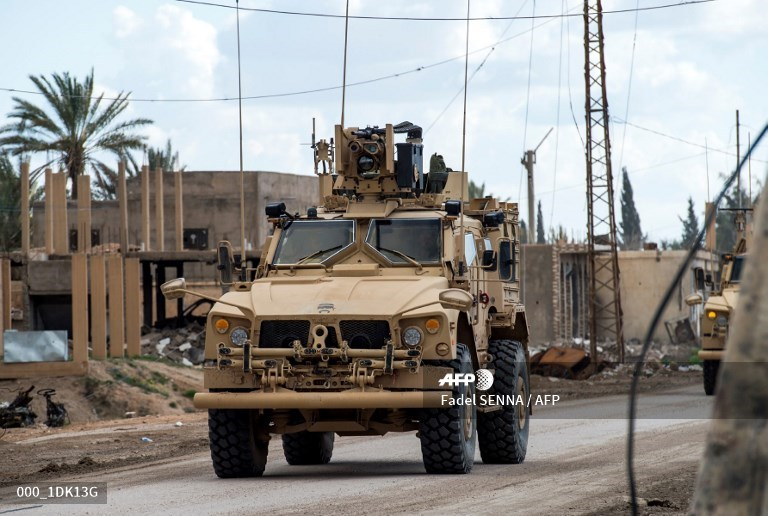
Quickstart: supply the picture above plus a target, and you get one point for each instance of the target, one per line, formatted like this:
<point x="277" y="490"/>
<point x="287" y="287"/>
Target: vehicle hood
<point x="725" y="302"/>
<point x="349" y="296"/>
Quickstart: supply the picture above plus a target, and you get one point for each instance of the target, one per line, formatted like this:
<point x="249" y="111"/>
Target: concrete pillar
<point x="122" y="198"/>
<point x="80" y="304"/>
<point x="24" y="215"/>
<point x="48" y="211"/>
<point x="5" y="298"/>
<point x="132" y="307"/>
<point x="116" y="306"/>
<point x="60" y="229"/>
<point x="83" y="214"/>
<point x="145" y="229"/>
<point x="177" y="190"/>
<point x="710" y="240"/>
<point x="159" y="224"/>
<point x="98" y="307"/>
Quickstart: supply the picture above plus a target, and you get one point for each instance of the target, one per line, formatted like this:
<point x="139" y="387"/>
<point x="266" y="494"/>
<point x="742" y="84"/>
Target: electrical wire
<point x="682" y="270"/>
<point x="678" y="139"/>
<point x="474" y="72"/>
<point x="527" y="104"/>
<point x="629" y="87"/>
<point x="568" y="74"/>
<point x="411" y="18"/>
<point x="308" y="91"/>
<point x="559" y="95"/>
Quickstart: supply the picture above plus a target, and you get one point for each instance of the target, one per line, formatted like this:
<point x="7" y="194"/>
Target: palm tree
<point x="78" y="128"/>
<point x="10" y="204"/>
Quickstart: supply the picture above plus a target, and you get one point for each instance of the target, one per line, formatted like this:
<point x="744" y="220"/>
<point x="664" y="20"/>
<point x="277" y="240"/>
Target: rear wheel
<point x="710" y="375"/>
<point x="503" y="434"/>
<point x="448" y="435"/>
<point x="239" y="443"/>
<point x="304" y="448"/>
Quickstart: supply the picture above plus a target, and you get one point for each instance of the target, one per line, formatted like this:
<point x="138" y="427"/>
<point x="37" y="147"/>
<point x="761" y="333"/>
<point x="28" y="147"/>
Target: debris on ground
<point x="572" y="361"/>
<point x="185" y="345"/>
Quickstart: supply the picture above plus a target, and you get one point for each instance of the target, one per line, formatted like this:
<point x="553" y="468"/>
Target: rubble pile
<point x="185" y="345"/>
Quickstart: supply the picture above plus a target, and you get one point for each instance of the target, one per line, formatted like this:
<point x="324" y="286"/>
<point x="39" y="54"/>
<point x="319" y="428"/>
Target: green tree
<point x="631" y="233"/>
<point x="690" y="226"/>
<point x="540" y="239"/>
<point x="166" y="158"/>
<point x="523" y="232"/>
<point x="475" y="191"/>
<point x="10" y="204"/>
<point x="78" y="127"/>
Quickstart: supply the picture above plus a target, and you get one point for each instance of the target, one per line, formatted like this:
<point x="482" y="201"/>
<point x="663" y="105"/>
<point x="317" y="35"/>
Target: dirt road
<point x="575" y="465"/>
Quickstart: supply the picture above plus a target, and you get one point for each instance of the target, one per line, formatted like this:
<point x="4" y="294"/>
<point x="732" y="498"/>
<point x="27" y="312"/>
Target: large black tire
<point x="238" y="445"/>
<point x="710" y="375"/>
<point x="503" y="434"/>
<point x="304" y="448"/>
<point x="448" y="435"/>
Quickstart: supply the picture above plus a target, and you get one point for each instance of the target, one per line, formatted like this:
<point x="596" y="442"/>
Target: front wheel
<point x="239" y="443"/>
<point x="304" y="448"/>
<point x="448" y="435"/>
<point x="710" y="376"/>
<point x="503" y="434"/>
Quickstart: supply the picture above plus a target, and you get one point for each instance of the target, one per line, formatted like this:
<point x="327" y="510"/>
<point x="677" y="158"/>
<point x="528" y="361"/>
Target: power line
<point x="629" y="87"/>
<point x="411" y="18"/>
<point x="527" y="104"/>
<point x="302" y="92"/>
<point x="482" y="63"/>
<point x="678" y="139"/>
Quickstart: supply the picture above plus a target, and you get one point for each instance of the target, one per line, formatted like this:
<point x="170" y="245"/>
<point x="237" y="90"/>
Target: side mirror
<point x="225" y="262"/>
<point x="174" y="289"/>
<point x="489" y="259"/>
<point x="456" y="299"/>
<point x="698" y="274"/>
<point x="693" y="300"/>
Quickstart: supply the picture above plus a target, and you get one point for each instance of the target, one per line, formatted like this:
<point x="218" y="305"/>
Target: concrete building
<point x="555" y="290"/>
<point x="211" y="209"/>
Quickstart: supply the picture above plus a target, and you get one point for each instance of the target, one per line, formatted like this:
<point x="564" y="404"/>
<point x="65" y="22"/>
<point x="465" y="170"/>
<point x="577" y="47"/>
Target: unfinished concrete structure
<point x="93" y="268"/>
<point x="556" y="290"/>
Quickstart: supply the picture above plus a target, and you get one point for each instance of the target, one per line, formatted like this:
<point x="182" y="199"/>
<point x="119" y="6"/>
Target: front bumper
<point x="282" y="398"/>
<point x="711" y="354"/>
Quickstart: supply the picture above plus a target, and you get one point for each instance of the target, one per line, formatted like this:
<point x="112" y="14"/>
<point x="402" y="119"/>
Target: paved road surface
<point x="575" y="464"/>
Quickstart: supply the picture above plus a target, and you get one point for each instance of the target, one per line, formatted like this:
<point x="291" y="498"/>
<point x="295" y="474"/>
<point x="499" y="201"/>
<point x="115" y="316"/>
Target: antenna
<point x="344" y="76"/>
<point x="240" y="115"/>
<point x="463" y="150"/>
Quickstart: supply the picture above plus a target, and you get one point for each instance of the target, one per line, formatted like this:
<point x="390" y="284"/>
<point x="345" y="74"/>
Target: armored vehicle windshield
<point x="400" y="239"/>
<point x="738" y="267"/>
<point x="313" y="241"/>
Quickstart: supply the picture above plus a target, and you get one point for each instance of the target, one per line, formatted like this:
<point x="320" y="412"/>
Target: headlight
<point x="238" y="336"/>
<point x="722" y="320"/>
<point x="412" y="336"/>
<point x="221" y="325"/>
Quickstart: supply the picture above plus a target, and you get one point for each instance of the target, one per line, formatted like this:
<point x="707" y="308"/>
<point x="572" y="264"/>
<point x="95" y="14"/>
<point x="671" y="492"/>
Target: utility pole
<point x="738" y="160"/>
<point x="529" y="159"/>
<point x="604" y="295"/>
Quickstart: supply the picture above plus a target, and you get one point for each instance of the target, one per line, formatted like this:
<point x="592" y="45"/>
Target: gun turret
<point x="365" y="160"/>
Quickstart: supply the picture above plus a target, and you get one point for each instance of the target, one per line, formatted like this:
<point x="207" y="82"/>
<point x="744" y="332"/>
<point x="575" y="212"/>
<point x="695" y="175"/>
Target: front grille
<point x="365" y="334"/>
<point x="281" y="334"/>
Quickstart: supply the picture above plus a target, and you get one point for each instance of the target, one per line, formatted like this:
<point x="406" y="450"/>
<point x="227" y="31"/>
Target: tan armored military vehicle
<point x="372" y="313"/>
<point x="719" y="307"/>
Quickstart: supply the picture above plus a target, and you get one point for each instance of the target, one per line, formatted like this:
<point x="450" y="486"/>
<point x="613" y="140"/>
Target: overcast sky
<point x="694" y="65"/>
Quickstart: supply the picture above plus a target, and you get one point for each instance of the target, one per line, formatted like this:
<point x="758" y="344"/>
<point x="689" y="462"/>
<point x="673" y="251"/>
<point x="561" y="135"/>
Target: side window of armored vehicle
<point x="507" y="265"/>
<point x="737" y="268"/>
<point x="470" y="249"/>
<point x="399" y="240"/>
<point x="313" y="241"/>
